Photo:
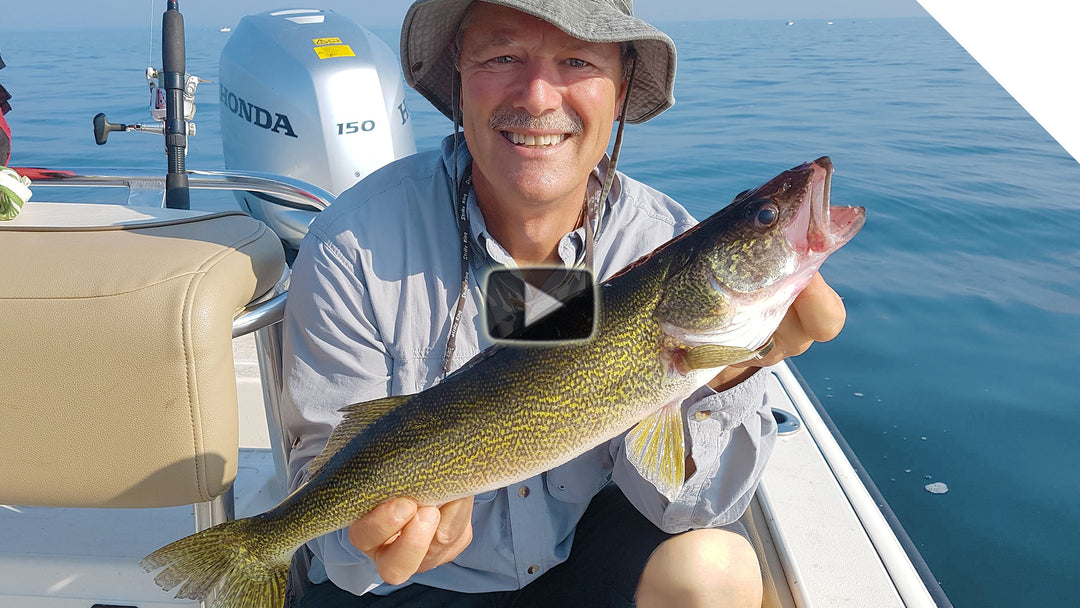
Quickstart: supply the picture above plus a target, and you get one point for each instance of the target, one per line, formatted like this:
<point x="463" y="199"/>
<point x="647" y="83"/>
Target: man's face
<point x="537" y="104"/>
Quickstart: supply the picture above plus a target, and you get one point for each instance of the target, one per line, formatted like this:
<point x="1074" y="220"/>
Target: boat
<point x="117" y="390"/>
<point x="225" y="29"/>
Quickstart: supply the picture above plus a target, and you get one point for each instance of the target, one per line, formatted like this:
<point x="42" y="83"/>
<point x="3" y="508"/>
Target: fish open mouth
<point x="821" y="228"/>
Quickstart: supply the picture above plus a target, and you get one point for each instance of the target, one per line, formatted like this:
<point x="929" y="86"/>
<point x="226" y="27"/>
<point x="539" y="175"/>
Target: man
<point x="377" y="306"/>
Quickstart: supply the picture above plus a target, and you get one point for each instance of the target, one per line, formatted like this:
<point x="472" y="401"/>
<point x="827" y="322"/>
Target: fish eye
<point x="766" y="215"/>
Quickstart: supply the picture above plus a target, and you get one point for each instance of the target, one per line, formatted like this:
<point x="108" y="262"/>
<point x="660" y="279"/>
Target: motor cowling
<point x="309" y="94"/>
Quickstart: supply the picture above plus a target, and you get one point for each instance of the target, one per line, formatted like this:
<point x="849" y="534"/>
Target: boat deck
<point x="818" y="549"/>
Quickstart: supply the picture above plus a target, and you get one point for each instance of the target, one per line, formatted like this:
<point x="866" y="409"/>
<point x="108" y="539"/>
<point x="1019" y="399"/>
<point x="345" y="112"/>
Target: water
<point x="960" y="359"/>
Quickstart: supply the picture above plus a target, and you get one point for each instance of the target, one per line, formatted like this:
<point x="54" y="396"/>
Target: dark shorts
<point x="612" y="543"/>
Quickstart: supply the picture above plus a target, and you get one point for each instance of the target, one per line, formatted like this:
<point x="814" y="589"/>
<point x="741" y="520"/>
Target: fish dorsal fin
<point x="358" y="417"/>
<point x="657" y="450"/>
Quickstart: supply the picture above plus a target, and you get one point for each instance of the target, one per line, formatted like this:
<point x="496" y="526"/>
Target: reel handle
<point x="103" y="127"/>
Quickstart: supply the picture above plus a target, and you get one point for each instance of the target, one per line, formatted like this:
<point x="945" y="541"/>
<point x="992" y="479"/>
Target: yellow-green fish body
<point x="665" y="325"/>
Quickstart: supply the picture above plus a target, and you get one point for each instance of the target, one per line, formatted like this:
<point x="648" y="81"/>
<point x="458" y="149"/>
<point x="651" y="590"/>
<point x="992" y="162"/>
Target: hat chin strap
<point x="456" y="101"/>
<point x="615" y="149"/>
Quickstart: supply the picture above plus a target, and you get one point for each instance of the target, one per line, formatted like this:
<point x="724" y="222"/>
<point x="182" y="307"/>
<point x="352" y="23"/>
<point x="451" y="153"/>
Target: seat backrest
<point x="117" y="386"/>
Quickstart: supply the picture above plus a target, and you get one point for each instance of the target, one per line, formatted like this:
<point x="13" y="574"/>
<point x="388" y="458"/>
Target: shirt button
<point x="702" y="415"/>
<point x="533" y="569"/>
<point x="523" y="491"/>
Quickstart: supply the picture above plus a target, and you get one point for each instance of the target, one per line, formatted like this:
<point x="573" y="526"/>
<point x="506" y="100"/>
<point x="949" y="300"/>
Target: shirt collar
<point x="571" y="246"/>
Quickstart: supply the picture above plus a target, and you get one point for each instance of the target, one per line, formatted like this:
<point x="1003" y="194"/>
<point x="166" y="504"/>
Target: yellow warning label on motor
<point x="335" y="50"/>
<point x="325" y="41"/>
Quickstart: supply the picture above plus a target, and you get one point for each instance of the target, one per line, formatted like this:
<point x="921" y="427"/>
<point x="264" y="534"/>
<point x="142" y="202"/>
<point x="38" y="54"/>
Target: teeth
<point x="534" y="140"/>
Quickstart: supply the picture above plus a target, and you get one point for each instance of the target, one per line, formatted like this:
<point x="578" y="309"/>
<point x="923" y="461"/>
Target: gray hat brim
<point x="430" y="26"/>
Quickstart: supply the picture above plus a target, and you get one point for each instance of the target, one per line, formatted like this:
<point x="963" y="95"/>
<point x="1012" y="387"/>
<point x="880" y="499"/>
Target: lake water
<point x="960" y="360"/>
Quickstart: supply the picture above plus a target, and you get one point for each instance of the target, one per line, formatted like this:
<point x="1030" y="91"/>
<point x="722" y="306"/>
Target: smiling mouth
<point x="534" y="141"/>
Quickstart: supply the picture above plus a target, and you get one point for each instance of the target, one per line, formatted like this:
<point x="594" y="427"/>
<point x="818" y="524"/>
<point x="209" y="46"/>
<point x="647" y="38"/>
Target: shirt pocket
<point x="412" y="374"/>
<point x="580" y="479"/>
<point x="485" y="496"/>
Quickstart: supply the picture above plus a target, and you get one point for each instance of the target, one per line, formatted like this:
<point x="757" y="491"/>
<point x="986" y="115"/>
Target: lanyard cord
<point x="462" y="213"/>
<point x="463" y="227"/>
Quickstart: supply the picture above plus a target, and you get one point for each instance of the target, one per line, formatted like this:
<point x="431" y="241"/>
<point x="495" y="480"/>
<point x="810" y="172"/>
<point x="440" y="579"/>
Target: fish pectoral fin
<point x="708" y="356"/>
<point x="358" y="417"/>
<point x="657" y="449"/>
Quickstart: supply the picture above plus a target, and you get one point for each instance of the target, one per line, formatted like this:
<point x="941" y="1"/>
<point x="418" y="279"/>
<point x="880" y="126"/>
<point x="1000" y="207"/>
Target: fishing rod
<point x="173" y="77"/>
<point x="172" y="106"/>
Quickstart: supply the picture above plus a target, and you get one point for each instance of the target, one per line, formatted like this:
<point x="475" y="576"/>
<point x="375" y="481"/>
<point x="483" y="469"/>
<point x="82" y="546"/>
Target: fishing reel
<point x="102" y="127"/>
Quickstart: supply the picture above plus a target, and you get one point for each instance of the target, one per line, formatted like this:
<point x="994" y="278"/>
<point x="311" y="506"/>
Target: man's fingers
<point x="456" y="518"/>
<point x="382" y="524"/>
<point x="790" y="338"/>
<point x="399" y="560"/>
<point x="821" y="311"/>
<point x="816" y="315"/>
<point x="453" y="534"/>
<point x="403" y="539"/>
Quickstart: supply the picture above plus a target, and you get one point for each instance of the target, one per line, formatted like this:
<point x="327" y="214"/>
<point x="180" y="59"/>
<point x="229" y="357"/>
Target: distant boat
<point x="225" y="29"/>
<point x="790" y="22"/>
<point x="828" y="23"/>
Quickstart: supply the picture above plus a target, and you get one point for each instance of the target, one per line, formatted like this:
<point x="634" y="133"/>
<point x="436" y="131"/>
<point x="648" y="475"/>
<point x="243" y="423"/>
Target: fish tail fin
<point x="225" y="566"/>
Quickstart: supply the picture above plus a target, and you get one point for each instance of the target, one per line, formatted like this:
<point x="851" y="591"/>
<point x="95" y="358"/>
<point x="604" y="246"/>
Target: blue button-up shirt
<point x="371" y="299"/>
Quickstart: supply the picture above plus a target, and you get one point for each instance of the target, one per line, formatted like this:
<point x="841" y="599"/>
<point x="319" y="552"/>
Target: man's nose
<point x="540" y="90"/>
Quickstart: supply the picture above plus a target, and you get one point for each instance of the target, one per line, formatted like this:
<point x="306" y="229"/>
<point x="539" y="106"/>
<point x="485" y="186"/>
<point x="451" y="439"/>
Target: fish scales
<point x="535" y="430"/>
<point x="665" y="325"/>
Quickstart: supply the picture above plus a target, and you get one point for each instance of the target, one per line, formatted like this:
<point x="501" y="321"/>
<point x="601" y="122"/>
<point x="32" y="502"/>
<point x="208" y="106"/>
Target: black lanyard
<point x="462" y="213"/>
<point x="463" y="228"/>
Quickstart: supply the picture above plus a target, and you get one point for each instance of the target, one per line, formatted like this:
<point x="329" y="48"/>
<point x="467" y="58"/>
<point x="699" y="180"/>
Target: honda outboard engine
<point x="309" y="94"/>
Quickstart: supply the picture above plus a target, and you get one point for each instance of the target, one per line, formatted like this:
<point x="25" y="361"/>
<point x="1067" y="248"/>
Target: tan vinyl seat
<point x="117" y="386"/>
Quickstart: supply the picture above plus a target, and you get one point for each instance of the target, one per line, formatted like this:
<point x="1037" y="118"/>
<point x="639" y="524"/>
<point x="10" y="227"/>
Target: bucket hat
<point x="430" y="27"/>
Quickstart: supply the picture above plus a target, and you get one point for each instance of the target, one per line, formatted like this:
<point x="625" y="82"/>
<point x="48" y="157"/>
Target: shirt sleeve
<point x="332" y="356"/>
<point x="730" y="436"/>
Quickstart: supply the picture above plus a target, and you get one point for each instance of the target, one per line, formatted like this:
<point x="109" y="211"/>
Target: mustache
<point x="567" y="122"/>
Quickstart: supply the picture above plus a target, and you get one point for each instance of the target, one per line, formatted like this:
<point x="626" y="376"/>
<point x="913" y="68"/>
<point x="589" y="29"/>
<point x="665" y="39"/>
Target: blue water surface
<point x="961" y="355"/>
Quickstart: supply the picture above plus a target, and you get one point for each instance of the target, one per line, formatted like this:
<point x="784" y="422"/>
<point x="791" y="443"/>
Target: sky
<point x="83" y="14"/>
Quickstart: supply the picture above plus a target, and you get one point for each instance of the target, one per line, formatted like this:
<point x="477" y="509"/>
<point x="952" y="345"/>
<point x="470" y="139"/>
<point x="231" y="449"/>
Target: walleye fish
<point x="666" y="325"/>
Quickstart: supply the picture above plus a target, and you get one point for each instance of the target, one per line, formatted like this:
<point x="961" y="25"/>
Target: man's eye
<point x="577" y="63"/>
<point x="503" y="59"/>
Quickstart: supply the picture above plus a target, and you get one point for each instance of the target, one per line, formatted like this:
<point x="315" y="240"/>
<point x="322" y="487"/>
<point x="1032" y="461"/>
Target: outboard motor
<point x="309" y="94"/>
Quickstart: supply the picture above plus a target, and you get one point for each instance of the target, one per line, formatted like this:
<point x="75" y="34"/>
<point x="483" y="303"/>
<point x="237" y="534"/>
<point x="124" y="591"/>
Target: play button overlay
<point x="540" y="304"/>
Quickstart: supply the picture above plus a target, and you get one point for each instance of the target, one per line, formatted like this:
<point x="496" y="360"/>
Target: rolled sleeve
<point x="730" y="446"/>
<point x="332" y="356"/>
<point x="338" y="555"/>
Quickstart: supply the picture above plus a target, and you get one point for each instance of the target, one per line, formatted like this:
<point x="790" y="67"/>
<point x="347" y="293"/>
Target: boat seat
<point x="117" y="366"/>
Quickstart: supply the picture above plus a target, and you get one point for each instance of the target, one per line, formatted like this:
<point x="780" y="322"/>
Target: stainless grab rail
<point x="259" y="315"/>
<point x="289" y="191"/>
<point x="263" y="318"/>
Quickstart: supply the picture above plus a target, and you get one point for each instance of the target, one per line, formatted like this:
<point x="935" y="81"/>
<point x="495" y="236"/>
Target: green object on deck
<point x="14" y="192"/>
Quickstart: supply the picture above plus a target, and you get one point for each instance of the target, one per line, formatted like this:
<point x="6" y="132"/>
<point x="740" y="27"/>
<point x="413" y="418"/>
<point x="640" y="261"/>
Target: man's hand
<point x="816" y="315"/>
<point x="403" y="538"/>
